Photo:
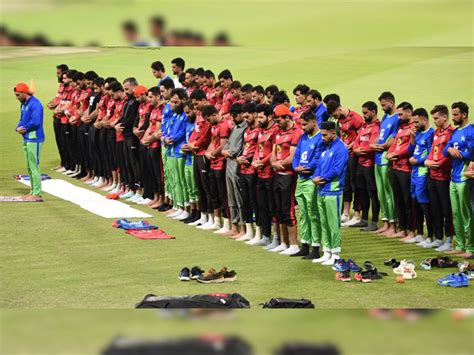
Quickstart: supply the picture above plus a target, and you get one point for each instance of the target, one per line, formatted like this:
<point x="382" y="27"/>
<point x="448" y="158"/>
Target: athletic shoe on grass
<point x="340" y="265"/>
<point x="211" y="277"/>
<point x="454" y="280"/>
<point x="353" y="267"/>
<point x="184" y="274"/>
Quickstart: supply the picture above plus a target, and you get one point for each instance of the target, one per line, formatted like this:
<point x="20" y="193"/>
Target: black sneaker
<point x="184" y="274"/>
<point x="196" y="273"/>
<point x="229" y="276"/>
<point x="211" y="277"/>
<point x="195" y="218"/>
<point x="361" y="224"/>
<point x="303" y="251"/>
<point x="191" y="216"/>
<point x="313" y="255"/>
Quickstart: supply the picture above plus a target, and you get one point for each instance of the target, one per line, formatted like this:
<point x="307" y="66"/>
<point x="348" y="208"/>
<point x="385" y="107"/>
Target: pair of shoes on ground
<point x="439" y="261"/>
<point x="212" y="276"/>
<point x="427" y="243"/>
<point x="406" y="269"/>
<point x="454" y="280"/>
<point x="369" y="274"/>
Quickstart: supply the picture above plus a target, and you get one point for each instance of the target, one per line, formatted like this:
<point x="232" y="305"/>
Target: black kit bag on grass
<point x="288" y="303"/>
<point x="188" y="346"/>
<point x="215" y="300"/>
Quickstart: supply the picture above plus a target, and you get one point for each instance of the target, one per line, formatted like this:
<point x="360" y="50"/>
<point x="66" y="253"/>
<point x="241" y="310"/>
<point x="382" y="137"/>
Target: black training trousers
<point x="368" y="192"/>
<point x="266" y="204"/>
<point x="132" y="162"/>
<point x="248" y="190"/>
<point x="284" y="197"/>
<point x="156" y="170"/>
<point x="350" y="184"/>
<point x="403" y="201"/>
<point x="59" y="141"/>
<point x="440" y="207"/>
<point x="145" y="169"/>
<point x="104" y="153"/>
<point x="219" y="191"/>
<point x="201" y="175"/>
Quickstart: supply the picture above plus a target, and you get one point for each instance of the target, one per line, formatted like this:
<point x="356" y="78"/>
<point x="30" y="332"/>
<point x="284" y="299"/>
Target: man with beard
<point x="388" y="130"/>
<point x="193" y="197"/>
<point x="398" y="155"/>
<point x="198" y="143"/>
<point x="349" y="124"/>
<point x="461" y="148"/>
<point x="258" y="95"/>
<point x="174" y="138"/>
<point x="418" y="150"/>
<point x="284" y="182"/>
<point x="30" y="127"/>
<point x="438" y="181"/>
<point x="305" y="162"/>
<point x="261" y="163"/>
<point x="231" y="151"/>
<point x="362" y="148"/>
<point x="220" y="131"/>
<point x="61" y="69"/>
<point x="152" y="140"/>
<point x="248" y="174"/>
<point x="329" y="177"/>
<point x="315" y="102"/>
<point x="177" y="67"/>
<point x="300" y="92"/>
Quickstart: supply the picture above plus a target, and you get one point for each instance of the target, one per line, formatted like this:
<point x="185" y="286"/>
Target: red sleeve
<point x="204" y="137"/>
<point x="224" y="131"/>
<point x="296" y="137"/>
<point x="356" y="142"/>
<point x="358" y="122"/>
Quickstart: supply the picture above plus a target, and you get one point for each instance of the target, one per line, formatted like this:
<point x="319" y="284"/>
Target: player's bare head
<point x="404" y="110"/>
<point x="300" y="92"/>
<point x="116" y="90"/>
<point x="369" y="111"/>
<point x="333" y="97"/>
<point x="314" y="98"/>
<point x="235" y="89"/>
<point x="210" y="113"/>
<point x="459" y="112"/>
<point x="225" y="78"/>
<point x="249" y="113"/>
<point x="280" y="98"/>
<point x="177" y="65"/>
<point x="190" y="110"/>
<point x="334" y="109"/>
<point x="420" y="119"/>
<point x="165" y="88"/>
<point x="270" y="91"/>
<point x="328" y="131"/>
<point x="129" y="85"/>
<point x="157" y="69"/>
<point x="154" y="96"/>
<point x="264" y="115"/>
<point x="199" y="98"/>
<point x="60" y="70"/>
<point x="309" y="123"/>
<point x="177" y="98"/>
<point x="387" y="102"/>
<point x="246" y="91"/>
<point x="258" y="94"/>
<point x="236" y="112"/>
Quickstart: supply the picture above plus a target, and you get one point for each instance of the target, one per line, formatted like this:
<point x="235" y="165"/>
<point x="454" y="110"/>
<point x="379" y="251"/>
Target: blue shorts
<point x="419" y="189"/>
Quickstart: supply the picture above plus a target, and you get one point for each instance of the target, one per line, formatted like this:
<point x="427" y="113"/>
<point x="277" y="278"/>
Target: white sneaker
<point x="182" y="216"/>
<point x="427" y="243"/>
<point x="275" y="242"/>
<point x="434" y="244"/>
<point x="417" y="239"/>
<point x="111" y="187"/>
<point x="446" y="246"/>
<point x="225" y="228"/>
<point x="278" y="249"/>
<point x="127" y="194"/>
<point x="209" y="222"/>
<point x="135" y="196"/>
<point x="139" y="200"/>
<point x="423" y="243"/>
<point x="326" y="256"/>
<point x="174" y="214"/>
<point x="215" y="225"/>
<point x="293" y="249"/>
<point x="331" y="260"/>
<point x="344" y="218"/>
<point x="144" y="201"/>
<point x="92" y="182"/>
<point x="262" y="242"/>
<point x="351" y="222"/>
<point x="254" y="240"/>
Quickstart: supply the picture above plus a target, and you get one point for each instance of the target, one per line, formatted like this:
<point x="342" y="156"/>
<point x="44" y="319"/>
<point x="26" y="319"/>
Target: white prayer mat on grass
<point x="89" y="200"/>
<point x="15" y="199"/>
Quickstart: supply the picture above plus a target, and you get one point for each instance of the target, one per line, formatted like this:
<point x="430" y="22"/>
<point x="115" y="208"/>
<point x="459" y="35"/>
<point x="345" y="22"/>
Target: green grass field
<point x="296" y="23"/>
<point x="352" y="331"/>
<point x="56" y="255"/>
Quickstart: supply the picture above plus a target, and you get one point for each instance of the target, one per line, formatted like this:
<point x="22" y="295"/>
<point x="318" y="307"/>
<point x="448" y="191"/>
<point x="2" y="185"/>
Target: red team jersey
<point x="266" y="139"/>
<point x="400" y="147"/>
<point x="249" y="149"/>
<point x="218" y="132"/>
<point x="368" y="134"/>
<point x="349" y="126"/>
<point x="201" y="136"/>
<point x="440" y="139"/>
<point x="227" y="102"/>
<point x="66" y="96"/>
<point x="284" y="140"/>
<point x="156" y="116"/>
<point x="297" y="114"/>
<point x="143" y="110"/>
<point x="119" y="104"/>
<point x="103" y="103"/>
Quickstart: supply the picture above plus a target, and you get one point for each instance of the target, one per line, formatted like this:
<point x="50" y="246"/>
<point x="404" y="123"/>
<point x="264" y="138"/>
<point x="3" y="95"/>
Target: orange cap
<point x="22" y="87"/>
<point x="282" y="110"/>
<point x="139" y="90"/>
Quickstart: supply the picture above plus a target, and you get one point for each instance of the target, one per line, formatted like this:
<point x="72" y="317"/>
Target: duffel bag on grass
<point x="288" y="303"/>
<point x="215" y="300"/>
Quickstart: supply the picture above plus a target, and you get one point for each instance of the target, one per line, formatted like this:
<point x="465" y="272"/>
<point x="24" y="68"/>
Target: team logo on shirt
<point x="304" y="156"/>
